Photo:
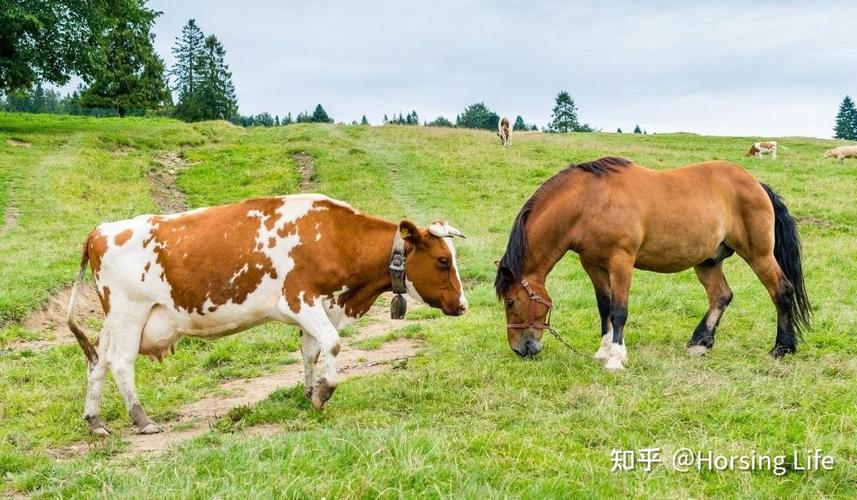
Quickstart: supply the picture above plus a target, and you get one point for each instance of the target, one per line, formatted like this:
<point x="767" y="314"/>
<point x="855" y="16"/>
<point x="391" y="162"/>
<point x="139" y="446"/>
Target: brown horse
<point x="618" y="215"/>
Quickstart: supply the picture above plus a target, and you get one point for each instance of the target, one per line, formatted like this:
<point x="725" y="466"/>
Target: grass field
<point x="466" y="417"/>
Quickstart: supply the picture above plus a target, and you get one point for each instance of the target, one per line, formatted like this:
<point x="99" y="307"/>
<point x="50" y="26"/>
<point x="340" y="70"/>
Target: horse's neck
<point x="550" y="233"/>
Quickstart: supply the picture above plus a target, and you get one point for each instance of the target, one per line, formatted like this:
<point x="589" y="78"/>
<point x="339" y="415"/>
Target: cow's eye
<point x="443" y="262"/>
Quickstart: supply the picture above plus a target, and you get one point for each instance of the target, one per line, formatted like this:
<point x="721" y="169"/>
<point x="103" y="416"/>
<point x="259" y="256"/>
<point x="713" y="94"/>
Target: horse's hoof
<point x="781" y="350"/>
<point x="100" y="432"/>
<point x="697" y="350"/>
<point x="321" y="392"/>
<point x="150" y="428"/>
<point x="614" y="365"/>
<point x="603" y="353"/>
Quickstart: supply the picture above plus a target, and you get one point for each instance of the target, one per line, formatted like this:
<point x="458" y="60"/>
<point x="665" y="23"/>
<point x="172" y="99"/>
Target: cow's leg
<point x="125" y="322"/>
<point x="310" y="349"/>
<point x="774" y="154"/>
<point x="314" y="321"/>
<point x="95" y="387"/>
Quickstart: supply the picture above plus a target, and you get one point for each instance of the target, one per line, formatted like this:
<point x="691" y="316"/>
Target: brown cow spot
<point x="212" y="255"/>
<point x="104" y="295"/>
<point x="121" y="238"/>
<point x="97" y="246"/>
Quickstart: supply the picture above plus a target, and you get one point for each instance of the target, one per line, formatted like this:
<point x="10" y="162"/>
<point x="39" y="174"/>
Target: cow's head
<point x="431" y="271"/>
<point x="753" y="150"/>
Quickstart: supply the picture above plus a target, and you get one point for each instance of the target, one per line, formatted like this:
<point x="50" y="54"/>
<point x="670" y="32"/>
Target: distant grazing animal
<point x="617" y="215"/>
<point x="504" y="131"/>
<point x="842" y="152"/>
<point x="760" y="148"/>
<point x="305" y="260"/>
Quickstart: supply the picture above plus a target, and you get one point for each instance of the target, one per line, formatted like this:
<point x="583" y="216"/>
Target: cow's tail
<point x="787" y="250"/>
<point x="82" y="339"/>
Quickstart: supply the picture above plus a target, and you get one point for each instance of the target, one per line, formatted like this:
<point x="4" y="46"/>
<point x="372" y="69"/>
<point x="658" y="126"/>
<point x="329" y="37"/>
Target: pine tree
<point x="619" y="130"/>
<point x="846" y="120"/>
<point x="364" y="121"/>
<point x="188" y="52"/>
<point x="519" y="124"/>
<point x="564" y="114"/>
<point x="128" y="73"/>
<point x="637" y="130"/>
<point x="215" y="92"/>
<point x="287" y="120"/>
<point x="319" y="115"/>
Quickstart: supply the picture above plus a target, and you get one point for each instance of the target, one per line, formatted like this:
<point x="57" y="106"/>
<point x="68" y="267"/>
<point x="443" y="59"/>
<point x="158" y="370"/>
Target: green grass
<point x="466" y="417"/>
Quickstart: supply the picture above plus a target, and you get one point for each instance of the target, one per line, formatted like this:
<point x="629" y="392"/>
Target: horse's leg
<point x="780" y="289"/>
<point x="310" y="349"/>
<point x="601" y="282"/>
<point x="719" y="296"/>
<point x="620" y="286"/>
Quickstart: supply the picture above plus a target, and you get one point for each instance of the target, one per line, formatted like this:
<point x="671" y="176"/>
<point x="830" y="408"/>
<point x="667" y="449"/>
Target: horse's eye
<point x="510" y="302"/>
<point x="444" y="262"/>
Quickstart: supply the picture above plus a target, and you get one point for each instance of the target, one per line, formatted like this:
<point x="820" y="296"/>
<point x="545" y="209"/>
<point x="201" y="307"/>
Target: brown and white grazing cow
<point x="306" y="260"/>
<point x="504" y="131"/>
<point x="842" y="152"/>
<point x="760" y="148"/>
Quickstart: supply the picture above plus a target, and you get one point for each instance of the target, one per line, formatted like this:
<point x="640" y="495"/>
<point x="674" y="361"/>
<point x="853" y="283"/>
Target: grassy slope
<point x="466" y="417"/>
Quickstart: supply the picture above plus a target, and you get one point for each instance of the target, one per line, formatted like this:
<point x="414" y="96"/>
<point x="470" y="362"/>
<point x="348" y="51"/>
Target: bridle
<point x="535" y="298"/>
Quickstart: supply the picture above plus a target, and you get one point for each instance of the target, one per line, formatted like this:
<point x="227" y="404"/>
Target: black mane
<point x="511" y="265"/>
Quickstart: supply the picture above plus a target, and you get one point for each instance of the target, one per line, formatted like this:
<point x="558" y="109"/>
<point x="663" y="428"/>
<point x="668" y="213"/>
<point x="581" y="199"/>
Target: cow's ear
<point x="410" y="232"/>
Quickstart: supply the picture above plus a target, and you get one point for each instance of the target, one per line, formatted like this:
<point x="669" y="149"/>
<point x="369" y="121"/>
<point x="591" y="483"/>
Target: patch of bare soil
<point x="165" y="191"/>
<point x="197" y="417"/>
<point x="51" y="318"/>
<point x="11" y="219"/>
<point x="306" y="169"/>
<point x="19" y="143"/>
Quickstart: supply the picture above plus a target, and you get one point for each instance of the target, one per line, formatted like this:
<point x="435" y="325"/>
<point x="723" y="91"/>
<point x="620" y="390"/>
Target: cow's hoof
<point x="321" y="392"/>
<point x="150" y="428"/>
<point x="697" y="350"/>
<point x="100" y="432"/>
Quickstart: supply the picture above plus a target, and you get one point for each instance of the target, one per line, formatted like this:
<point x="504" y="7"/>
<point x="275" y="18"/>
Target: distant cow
<point x="760" y="148"/>
<point x="842" y="152"/>
<point x="504" y="131"/>
<point x="305" y="260"/>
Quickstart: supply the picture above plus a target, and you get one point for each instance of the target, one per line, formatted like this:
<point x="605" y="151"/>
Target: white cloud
<point x="759" y="68"/>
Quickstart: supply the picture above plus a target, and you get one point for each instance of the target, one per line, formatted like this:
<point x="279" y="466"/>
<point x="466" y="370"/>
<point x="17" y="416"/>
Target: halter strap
<point x="534" y="298"/>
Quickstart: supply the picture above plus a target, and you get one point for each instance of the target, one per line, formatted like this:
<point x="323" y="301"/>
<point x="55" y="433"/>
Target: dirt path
<point x="196" y="418"/>
<point x="11" y="219"/>
<point x="165" y="191"/>
<point x="306" y="170"/>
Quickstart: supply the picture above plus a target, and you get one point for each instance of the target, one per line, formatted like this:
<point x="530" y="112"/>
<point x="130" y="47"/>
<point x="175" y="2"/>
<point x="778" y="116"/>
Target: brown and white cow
<point x="504" y="131"/>
<point x="760" y="148"/>
<point x="841" y="152"/>
<point x="306" y="260"/>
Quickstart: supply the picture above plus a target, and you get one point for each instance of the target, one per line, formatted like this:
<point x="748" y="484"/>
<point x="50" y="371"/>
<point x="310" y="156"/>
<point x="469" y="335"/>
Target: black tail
<point x="787" y="252"/>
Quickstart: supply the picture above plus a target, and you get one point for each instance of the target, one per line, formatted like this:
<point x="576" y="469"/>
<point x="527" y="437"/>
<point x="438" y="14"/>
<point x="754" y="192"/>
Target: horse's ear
<point x="497" y="264"/>
<point x="410" y="232"/>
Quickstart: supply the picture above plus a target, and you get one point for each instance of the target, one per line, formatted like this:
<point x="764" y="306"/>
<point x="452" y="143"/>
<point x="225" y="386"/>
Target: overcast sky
<point x="742" y="68"/>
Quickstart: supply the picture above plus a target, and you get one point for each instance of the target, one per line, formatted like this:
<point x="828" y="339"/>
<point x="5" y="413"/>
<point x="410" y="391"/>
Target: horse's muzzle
<point x="528" y="347"/>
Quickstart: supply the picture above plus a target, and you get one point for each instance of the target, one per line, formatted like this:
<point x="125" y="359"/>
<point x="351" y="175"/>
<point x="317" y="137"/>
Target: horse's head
<point x="432" y="272"/>
<point x="528" y="308"/>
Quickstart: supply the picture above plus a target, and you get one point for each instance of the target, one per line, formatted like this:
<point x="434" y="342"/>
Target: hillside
<point x="466" y="416"/>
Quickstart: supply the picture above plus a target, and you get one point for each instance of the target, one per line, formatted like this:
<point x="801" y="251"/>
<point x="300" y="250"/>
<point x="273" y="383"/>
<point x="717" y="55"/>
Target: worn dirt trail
<point x="197" y="417"/>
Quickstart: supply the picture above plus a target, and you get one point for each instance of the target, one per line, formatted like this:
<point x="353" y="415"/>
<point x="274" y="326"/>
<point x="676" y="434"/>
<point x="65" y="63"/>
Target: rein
<point x="535" y="298"/>
<point x="398" y="306"/>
